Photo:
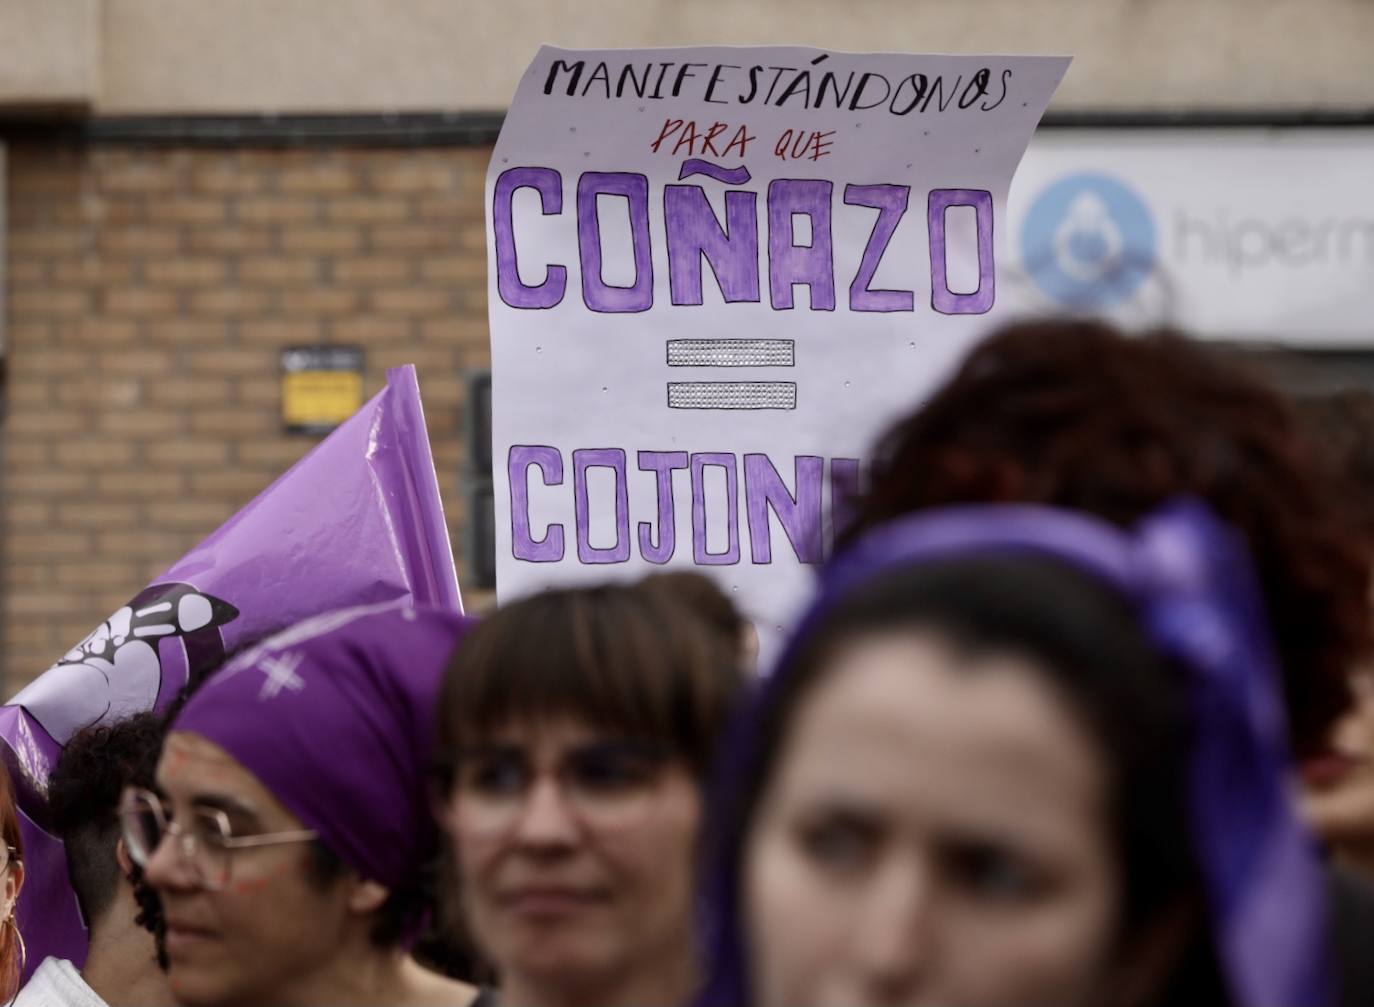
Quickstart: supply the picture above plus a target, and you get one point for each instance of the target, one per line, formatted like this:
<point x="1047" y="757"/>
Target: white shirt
<point x="57" y="983"/>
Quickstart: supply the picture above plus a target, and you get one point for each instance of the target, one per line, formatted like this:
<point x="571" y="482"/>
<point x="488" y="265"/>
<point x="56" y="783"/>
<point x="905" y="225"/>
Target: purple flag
<point x="357" y="521"/>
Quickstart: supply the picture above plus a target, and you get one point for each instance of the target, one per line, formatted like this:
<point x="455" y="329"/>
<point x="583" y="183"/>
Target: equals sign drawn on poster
<point x="732" y="394"/>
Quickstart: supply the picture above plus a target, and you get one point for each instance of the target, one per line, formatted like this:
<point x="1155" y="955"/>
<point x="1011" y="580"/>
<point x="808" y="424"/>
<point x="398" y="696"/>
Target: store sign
<point x="1229" y="233"/>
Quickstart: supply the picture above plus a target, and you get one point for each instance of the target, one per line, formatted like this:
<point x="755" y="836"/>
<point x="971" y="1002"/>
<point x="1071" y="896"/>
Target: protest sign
<point x="357" y="521"/>
<point x="714" y="275"/>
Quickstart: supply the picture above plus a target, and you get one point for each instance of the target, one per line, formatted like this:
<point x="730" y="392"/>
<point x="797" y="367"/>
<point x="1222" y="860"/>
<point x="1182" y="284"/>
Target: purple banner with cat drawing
<point x="357" y="521"/>
<point x="715" y="274"/>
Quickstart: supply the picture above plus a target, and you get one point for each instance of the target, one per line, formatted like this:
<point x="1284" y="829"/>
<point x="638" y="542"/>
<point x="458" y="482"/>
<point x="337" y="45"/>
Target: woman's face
<point x="576" y="852"/>
<point x="243" y="926"/>
<point x="934" y="833"/>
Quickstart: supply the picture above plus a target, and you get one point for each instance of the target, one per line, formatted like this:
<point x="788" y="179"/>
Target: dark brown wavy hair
<point x="1074" y="413"/>
<point x="9" y="939"/>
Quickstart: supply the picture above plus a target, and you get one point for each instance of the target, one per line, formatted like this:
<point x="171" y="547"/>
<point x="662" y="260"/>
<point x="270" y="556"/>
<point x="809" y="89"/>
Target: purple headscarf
<point x="1191" y="584"/>
<point x="335" y="717"/>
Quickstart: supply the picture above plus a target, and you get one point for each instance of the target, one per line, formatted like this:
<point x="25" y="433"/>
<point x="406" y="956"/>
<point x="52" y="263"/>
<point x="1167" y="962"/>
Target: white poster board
<point x="715" y="275"/>
<point x="1230" y="233"/>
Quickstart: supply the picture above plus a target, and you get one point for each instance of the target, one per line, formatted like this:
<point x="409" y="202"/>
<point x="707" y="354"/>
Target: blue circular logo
<point x="1088" y="241"/>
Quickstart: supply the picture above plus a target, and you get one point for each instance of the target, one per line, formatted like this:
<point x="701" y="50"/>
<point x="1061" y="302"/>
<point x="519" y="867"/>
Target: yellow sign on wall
<point x="321" y="387"/>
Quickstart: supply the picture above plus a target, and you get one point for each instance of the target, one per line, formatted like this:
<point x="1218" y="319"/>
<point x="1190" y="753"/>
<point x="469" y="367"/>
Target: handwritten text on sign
<point x="715" y="273"/>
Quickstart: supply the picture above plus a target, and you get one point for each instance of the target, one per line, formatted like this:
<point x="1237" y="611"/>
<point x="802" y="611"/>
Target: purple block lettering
<point x="800" y="515"/>
<point x="700" y="555"/>
<point x="942" y="299"/>
<point x="549" y="549"/>
<point x="598" y="295"/>
<point x="512" y="290"/>
<point x="891" y="202"/>
<point x="790" y="263"/>
<point x="844" y="493"/>
<point x="613" y="459"/>
<point x="694" y="233"/>
<point x="662" y="464"/>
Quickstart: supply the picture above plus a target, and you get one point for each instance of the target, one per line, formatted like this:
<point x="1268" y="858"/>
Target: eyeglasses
<point x="606" y="785"/>
<point x="206" y="840"/>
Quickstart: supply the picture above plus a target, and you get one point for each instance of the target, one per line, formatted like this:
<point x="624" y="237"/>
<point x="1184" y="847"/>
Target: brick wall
<point x="150" y="292"/>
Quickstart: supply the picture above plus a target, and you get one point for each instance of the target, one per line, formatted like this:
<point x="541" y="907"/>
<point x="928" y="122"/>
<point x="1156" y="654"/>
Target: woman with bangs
<point x="576" y="730"/>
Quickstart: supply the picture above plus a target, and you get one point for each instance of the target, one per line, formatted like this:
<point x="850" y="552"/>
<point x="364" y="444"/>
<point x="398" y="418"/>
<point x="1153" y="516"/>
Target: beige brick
<point x="49" y="545"/>
<point x="99" y="391"/>
<point x="230" y="301"/>
<point x="319" y="301"/>
<point x="91" y="269"/>
<point x="323" y="240"/>
<point x="50" y="301"/>
<point x="141" y="543"/>
<point x="323" y="178"/>
<point x="453" y="207"/>
<point x="186" y="391"/>
<point x="370" y="329"/>
<point x="410" y="301"/>
<point x="35" y="635"/>
<point x="23" y="243"/>
<point x="26" y="272"/>
<point x="279" y="270"/>
<point x="140" y="301"/>
<point x="235" y="422"/>
<point x="373" y="270"/>
<point x="33" y="392"/>
<point x="197" y="452"/>
<point x="152" y="176"/>
<point x="259" y="391"/>
<point x="136" y="240"/>
<point x="278" y="455"/>
<point x="24" y="454"/>
<point x="99" y="331"/>
<point x="141" y="422"/>
<point x="150" y="362"/>
<point x="45" y="422"/>
<point x="181" y="332"/>
<point x="199" y="515"/>
<point x="414" y="237"/>
<point x="38" y="603"/>
<point x="184" y="272"/>
<point x="47" y="482"/>
<point x="412" y="176"/>
<point x="94" y="452"/>
<point x="232" y="483"/>
<point x="230" y="240"/>
<point x="24" y="514"/>
<point x="94" y="514"/>
<point x="367" y="209"/>
<point x="97" y="575"/>
<point x="187" y="210"/>
<point x="455" y="269"/>
<point x="282" y="332"/>
<point x="278" y="209"/>
<point x="227" y="180"/>
<point x="139" y="484"/>
<point x="239" y="360"/>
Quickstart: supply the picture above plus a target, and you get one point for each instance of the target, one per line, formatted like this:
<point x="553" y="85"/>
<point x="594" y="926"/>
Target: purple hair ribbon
<point x="1191" y="581"/>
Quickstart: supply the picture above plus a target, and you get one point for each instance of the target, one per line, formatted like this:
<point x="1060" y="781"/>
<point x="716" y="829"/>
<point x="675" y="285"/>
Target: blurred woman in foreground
<point x="1017" y="756"/>
<point x="575" y="730"/>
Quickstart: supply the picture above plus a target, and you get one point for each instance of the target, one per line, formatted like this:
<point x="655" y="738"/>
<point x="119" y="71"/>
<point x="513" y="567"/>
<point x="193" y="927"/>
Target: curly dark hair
<point x="83" y="797"/>
<point x="1074" y="413"/>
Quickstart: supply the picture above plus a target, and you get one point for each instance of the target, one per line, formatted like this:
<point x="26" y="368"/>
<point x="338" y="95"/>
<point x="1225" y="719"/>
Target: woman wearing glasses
<point x="576" y="728"/>
<point x="290" y="832"/>
<point x="11" y="881"/>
